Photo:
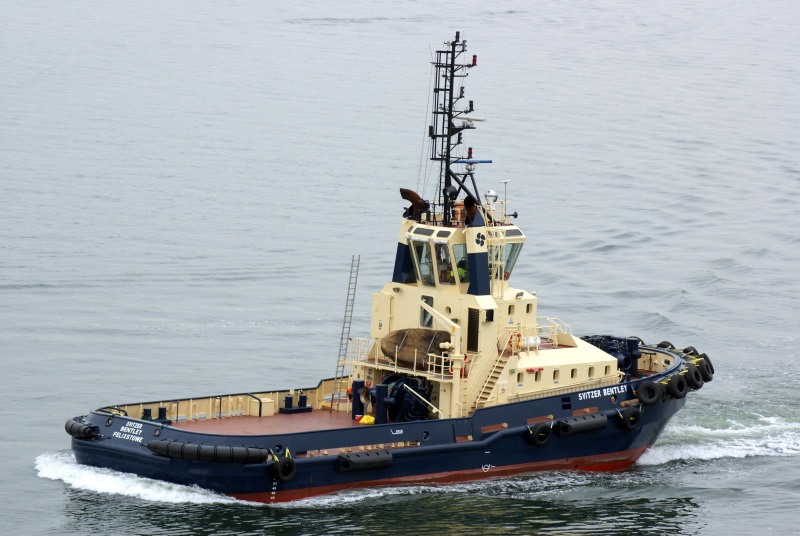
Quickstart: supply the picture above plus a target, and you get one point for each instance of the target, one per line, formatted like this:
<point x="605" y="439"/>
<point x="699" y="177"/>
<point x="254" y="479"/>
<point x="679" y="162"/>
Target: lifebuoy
<point x="649" y="393"/>
<point x="694" y="377"/>
<point x="463" y="372"/>
<point x="677" y="386"/>
<point x="284" y="469"/>
<point x="539" y="434"/>
<point x="631" y="418"/>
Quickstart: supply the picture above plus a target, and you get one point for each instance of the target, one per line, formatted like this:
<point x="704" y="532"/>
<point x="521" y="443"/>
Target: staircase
<point x="341" y="380"/>
<point x="491" y="380"/>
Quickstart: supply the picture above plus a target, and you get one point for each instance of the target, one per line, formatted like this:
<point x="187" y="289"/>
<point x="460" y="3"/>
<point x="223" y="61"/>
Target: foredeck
<point x="280" y="423"/>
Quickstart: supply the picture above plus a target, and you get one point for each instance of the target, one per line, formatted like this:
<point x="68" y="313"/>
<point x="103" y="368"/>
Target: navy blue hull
<point x="494" y="442"/>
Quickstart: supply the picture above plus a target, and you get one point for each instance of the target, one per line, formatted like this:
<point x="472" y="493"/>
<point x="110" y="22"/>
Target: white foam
<point x="62" y="466"/>
<point x="546" y="483"/>
<point x="761" y="436"/>
<point x="353" y="496"/>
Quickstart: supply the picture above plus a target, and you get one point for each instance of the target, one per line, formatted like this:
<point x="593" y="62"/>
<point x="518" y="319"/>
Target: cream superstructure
<point x="499" y="351"/>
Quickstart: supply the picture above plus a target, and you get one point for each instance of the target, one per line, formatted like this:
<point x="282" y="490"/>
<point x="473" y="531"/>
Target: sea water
<point x="184" y="184"/>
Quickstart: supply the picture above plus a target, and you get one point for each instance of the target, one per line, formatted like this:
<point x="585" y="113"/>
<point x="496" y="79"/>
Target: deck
<point x="280" y="423"/>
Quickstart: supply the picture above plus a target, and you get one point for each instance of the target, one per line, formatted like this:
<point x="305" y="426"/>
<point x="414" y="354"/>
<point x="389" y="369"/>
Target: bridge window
<point x="422" y="254"/>
<point x="512" y="253"/>
<point x="446" y="275"/>
<point x="502" y="259"/>
<point x="460" y="254"/>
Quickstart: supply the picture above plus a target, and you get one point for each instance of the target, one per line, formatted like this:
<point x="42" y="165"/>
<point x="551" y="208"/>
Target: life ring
<point x="630" y="418"/>
<point x="284" y="469"/>
<point x="539" y="434"/>
<point x="677" y="386"/>
<point x="463" y="373"/>
<point x="649" y="393"/>
<point x="694" y="377"/>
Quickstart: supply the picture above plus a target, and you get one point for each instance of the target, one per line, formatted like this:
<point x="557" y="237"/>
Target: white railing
<point x="434" y="366"/>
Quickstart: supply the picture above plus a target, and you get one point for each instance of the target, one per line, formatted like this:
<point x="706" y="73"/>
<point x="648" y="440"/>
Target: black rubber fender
<point x="665" y="344"/>
<point x="581" y="424"/>
<point x="694" y="377"/>
<point x="363" y="461"/>
<point x="706" y="367"/>
<point x="539" y="434"/>
<point x="677" y="386"/>
<point x="630" y="418"/>
<point x="649" y="393"/>
<point x="208" y="453"/>
<point x="284" y="469"/>
<point x="78" y="429"/>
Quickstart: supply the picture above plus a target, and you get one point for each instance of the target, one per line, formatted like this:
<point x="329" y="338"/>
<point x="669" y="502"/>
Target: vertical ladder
<point x="340" y="381"/>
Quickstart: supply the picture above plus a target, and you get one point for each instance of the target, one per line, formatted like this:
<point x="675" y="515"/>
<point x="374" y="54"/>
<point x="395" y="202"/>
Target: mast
<point x="445" y="135"/>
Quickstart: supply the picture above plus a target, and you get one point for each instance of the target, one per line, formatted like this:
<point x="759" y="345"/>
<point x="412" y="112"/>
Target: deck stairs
<point x="491" y="380"/>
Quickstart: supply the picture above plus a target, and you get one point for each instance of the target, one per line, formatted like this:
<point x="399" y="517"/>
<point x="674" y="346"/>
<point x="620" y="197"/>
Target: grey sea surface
<point x="183" y="185"/>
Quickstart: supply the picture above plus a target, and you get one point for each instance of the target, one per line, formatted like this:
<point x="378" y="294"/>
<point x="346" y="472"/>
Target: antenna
<point x="448" y="124"/>
<point x="505" y="189"/>
<point x="505" y="202"/>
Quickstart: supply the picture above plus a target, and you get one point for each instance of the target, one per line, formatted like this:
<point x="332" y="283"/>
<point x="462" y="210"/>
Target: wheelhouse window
<point x="446" y="275"/>
<point x="424" y="261"/>
<point x="502" y="259"/>
<point x="512" y="254"/>
<point x="425" y="318"/>
<point x="460" y="256"/>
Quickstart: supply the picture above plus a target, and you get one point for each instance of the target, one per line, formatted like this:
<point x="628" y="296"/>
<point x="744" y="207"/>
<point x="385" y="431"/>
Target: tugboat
<point x="459" y="378"/>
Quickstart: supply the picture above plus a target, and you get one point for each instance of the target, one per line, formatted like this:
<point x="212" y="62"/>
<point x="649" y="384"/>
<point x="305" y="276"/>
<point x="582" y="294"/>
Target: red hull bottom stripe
<point x="614" y="461"/>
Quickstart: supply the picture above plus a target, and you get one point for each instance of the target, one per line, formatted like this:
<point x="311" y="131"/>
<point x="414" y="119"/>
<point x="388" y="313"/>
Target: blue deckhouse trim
<point x="478" y="265"/>
<point x="403" y="264"/>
